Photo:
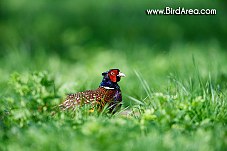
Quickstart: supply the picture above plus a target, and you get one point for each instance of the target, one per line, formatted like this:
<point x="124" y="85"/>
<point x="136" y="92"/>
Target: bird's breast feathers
<point x="91" y="97"/>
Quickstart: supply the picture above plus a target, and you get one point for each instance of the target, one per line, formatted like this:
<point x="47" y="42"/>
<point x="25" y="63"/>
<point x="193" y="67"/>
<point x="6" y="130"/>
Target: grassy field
<point x="177" y="101"/>
<point x="174" y="95"/>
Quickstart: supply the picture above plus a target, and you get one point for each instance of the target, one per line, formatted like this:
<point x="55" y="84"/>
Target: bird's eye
<point x="112" y="73"/>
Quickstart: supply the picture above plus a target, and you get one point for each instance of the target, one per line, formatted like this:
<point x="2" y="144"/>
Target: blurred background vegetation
<point x="69" y="27"/>
<point x="76" y="39"/>
<point x="98" y="35"/>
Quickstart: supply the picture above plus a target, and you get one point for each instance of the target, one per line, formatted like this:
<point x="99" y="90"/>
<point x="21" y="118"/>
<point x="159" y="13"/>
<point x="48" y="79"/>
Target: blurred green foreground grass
<point x="174" y="93"/>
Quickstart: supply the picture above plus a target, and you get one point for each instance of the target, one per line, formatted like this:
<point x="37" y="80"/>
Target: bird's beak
<point x="121" y="74"/>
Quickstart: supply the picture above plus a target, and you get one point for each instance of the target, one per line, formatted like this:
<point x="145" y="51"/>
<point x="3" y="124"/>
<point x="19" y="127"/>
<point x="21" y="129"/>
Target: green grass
<point x="177" y="100"/>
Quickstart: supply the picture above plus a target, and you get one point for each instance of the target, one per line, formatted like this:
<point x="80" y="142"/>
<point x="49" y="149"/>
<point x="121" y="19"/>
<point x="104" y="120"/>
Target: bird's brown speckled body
<point x="107" y="93"/>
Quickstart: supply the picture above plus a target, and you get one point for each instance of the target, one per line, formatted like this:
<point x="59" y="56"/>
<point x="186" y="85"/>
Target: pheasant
<point x="108" y="93"/>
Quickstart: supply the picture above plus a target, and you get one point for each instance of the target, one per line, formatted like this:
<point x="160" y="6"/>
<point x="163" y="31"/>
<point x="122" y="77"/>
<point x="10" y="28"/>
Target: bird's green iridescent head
<point x="114" y="75"/>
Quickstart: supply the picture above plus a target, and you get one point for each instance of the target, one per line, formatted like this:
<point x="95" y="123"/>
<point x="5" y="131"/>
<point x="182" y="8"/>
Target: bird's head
<point x="114" y="75"/>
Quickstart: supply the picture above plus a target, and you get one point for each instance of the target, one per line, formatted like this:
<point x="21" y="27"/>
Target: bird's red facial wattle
<point x="115" y="75"/>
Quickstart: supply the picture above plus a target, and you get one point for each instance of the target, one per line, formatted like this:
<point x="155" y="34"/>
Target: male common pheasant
<point x="108" y="92"/>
